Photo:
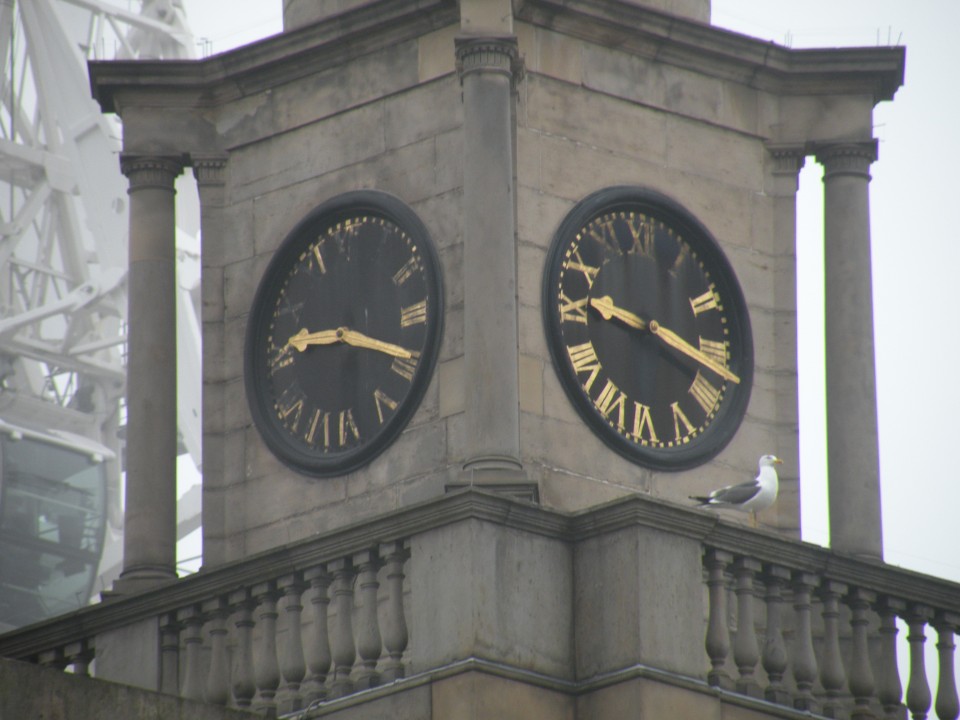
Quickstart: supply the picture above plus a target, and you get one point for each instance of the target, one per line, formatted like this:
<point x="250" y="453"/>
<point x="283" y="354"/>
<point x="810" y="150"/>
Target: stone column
<point x="788" y="160"/>
<point x="210" y="173"/>
<point x="488" y="67"/>
<point x="150" y="516"/>
<point x="852" y="452"/>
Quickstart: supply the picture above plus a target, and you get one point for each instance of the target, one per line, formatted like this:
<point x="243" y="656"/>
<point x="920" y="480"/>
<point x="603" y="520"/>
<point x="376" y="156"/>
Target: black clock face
<point x="344" y="333"/>
<point x="647" y="328"/>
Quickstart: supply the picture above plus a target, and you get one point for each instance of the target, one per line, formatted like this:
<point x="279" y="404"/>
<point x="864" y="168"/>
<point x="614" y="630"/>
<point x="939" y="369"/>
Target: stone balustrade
<point x="637" y="590"/>
<point x="841" y="659"/>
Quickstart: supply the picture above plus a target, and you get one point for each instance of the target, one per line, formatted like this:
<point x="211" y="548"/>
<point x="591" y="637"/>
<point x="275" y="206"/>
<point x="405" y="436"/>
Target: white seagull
<point x="754" y="496"/>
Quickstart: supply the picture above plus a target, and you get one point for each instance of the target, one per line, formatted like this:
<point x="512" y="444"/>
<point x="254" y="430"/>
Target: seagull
<point x="754" y="496"/>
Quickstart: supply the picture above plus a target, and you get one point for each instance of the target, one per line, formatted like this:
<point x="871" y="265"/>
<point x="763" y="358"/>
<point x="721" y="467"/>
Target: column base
<point x="137" y="581"/>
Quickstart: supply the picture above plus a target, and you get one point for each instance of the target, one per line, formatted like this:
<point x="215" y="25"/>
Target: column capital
<point x="853" y="158"/>
<point x="209" y="169"/>
<point x="489" y="54"/>
<point x="150" y="171"/>
<point x="788" y="158"/>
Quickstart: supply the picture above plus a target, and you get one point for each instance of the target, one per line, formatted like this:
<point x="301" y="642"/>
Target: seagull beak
<point x="778" y="461"/>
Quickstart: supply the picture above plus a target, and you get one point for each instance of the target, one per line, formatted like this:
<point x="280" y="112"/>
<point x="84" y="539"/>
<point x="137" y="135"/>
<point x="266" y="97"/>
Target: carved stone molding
<point x="491" y="55"/>
<point x="209" y="169"/>
<point x="847" y="158"/>
<point x="147" y="171"/>
<point x="787" y="159"/>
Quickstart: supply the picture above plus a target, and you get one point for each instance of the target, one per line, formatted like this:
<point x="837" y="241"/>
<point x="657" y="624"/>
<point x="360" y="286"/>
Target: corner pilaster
<point x="489" y="68"/>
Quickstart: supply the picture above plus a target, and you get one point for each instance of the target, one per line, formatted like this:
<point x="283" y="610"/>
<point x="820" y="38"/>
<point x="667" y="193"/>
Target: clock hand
<point x="608" y="310"/>
<point x="678" y="343"/>
<point x="304" y="338"/>
<point x="358" y="339"/>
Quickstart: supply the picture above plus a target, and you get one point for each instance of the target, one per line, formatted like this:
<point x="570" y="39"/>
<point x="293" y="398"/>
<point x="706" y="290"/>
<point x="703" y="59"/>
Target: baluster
<point x="293" y="667"/>
<point x="774" y="649"/>
<point x="266" y="670"/>
<point x="218" y="676"/>
<point x="918" y="689"/>
<point x="244" y="684"/>
<point x="832" y="675"/>
<point x="169" y="654"/>
<point x="344" y="651"/>
<point x="369" y="644"/>
<point x="718" y="632"/>
<point x="947" y="705"/>
<point x="192" y="621"/>
<point x="79" y="655"/>
<point x="861" y="673"/>
<point x="746" y="650"/>
<point x="52" y="659"/>
<point x="890" y="690"/>
<point x="804" y="659"/>
<point x="395" y="630"/>
<point x="318" y="648"/>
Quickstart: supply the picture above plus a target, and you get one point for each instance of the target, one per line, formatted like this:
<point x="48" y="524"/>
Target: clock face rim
<point x="721" y="430"/>
<point x="285" y="257"/>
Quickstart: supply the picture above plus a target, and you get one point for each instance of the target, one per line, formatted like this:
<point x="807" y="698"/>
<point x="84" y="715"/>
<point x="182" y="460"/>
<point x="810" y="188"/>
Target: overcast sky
<point x="915" y="248"/>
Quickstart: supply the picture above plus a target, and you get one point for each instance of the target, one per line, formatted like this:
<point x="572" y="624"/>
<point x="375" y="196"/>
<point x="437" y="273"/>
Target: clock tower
<point x="542" y="248"/>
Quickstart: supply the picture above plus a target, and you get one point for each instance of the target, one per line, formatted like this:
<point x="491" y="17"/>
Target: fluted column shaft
<point x="150" y="515"/>
<point x="852" y="453"/>
<point x="491" y="352"/>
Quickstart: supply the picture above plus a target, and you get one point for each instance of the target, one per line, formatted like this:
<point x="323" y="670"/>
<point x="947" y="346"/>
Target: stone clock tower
<point x="490" y="288"/>
<point x="526" y="162"/>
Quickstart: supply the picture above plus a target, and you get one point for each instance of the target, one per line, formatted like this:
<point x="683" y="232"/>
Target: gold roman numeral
<point x="573" y="310"/>
<point x="347" y="427"/>
<point x="289" y="408"/>
<point x="405" y="272"/>
<point x="584" y="360"/>
<point x="414" y="314"/>
<point x="702" y="303"/>
<point x="643" y="423"/>
<point x="316" y="257"/>
<point x="589" y="272"/>
<point x="612" y="398"/>
<point x="643" y="231"/>
<point x="406" y="367"/>
<point x="320" y="420"/>
<point x="704" y="393"/>
<point x="678" y="419"/>
<point x="601" y="230"/>
<point x="715" y="350"/>
<point x="383" y="400"/>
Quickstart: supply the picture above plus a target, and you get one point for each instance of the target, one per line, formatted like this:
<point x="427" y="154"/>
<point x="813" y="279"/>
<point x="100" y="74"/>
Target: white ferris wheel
<point x="63" y="251"/>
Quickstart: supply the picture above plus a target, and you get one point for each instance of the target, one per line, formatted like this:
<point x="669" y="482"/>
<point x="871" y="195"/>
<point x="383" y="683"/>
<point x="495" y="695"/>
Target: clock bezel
<point x="363" y="202"/>
<point x="733" y="408"/>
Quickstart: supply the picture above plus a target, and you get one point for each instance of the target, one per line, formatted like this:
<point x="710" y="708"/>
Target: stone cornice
<point x="269" y="62"/>
<point x="700" y="47"/>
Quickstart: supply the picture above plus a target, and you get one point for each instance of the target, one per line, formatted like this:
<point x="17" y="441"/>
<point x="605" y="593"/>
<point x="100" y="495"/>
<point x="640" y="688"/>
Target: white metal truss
<point x="63" y="217"/>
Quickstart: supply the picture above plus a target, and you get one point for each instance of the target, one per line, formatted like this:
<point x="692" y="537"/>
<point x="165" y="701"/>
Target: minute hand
<point x="358" y="339"/>
<point x="678" y="343"/>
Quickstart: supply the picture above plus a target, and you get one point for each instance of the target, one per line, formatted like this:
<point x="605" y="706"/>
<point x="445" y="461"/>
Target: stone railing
<point x="576" y="605"/>
<point x="840" y="615"/>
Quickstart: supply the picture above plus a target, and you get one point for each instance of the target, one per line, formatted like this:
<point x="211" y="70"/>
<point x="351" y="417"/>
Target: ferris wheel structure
<point x="63" y="260"/>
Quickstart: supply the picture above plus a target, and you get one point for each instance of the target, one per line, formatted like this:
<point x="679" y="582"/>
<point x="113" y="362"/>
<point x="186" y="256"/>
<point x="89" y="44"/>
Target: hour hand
<point x="608" y="310"/>
<point x="305" y="338"/>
